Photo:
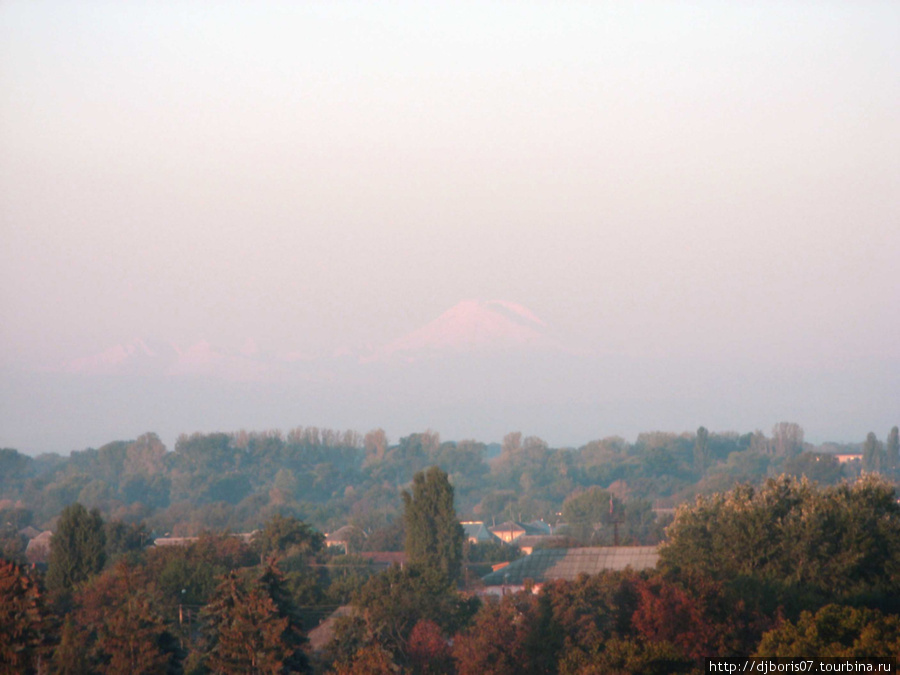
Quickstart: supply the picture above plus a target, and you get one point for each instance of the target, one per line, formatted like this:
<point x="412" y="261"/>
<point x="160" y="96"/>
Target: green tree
<point x="892" y="450"/>
<point x="873" y="453"/>
<point x="69" y="657"/>
<point x="824" y="469"/>
<point x="701" y="450"/>
<point x="191" y="574"/>
<point x="13" y="468"/>
<point x="77" y="549"/>
<point x="588" y="511"/>
<point x="123" y="538"/>
<point x="434" y="537"/>
<point x="801" y="542"/>
<point x="835" y="631"/>
<point x="283" y="535"/>
<point x="393" y="602"/>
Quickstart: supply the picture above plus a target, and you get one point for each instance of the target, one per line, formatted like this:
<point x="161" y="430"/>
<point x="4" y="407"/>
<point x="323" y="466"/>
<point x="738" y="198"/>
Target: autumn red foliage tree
<point x="502" y="639"/>
<point x="122" y="625"/>
<point x="370" y="660"/>
<point x="428" y="650"/>
<point x="22" y="620"/>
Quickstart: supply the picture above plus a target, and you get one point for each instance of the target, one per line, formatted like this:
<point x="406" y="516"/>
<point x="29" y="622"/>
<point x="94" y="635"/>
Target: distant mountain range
<point x="474" y="327"/>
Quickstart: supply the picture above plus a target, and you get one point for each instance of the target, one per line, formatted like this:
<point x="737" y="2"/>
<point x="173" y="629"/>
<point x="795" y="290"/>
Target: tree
<point x="146" y="455"/>
<point x="509" y="637"/>
<point x="247" y="630"/>
<point x="822" y="468"/>
<point x="22" y="620"/>
<point x="285" y="534"/>
<point x="122" y="625"/>
<point x="799" y="541"/>
<point x="69" y="657"/>
<point x="787" y="439"/>
<point x="13" y="468"/>
<point x="701" y="450"/>
<point x="375" y="443"/>
<point x="587" y="511"/>
<point x="122" y="538"/>
<point x="393" y="602"/>
<point x="892" y="450"/>
<point x="835" y="631"/>
<point x="369" y="660"/>
<point x="873" y="453"/>
<point x="77" y="549"/>
<point x="429" y="651"/>
<point x="698" y="617"/>
<point x="434" y="537"/>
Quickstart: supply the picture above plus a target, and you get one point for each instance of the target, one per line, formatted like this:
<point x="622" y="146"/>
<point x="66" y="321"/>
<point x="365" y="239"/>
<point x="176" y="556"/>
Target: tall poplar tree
<point x="892" y="450"/>
<point x="872" y="453"/>
<point x="701" y="450"/>
<point x="434" y="537"/>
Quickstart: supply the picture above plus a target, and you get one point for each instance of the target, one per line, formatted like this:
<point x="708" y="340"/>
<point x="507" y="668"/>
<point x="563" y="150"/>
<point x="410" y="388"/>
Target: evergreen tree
<point x="22" y="621"/>
<point x="434" y="537"/>
<point x="248" y="633"/>
<point x="273" y="583"/>
<point x="77" y="549"/>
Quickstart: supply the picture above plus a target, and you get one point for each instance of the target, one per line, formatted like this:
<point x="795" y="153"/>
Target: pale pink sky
<point x="714" y="183"/>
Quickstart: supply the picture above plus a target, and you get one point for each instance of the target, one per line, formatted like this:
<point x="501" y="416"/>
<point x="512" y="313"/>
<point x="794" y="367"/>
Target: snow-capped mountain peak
<point x="472" y="326"/>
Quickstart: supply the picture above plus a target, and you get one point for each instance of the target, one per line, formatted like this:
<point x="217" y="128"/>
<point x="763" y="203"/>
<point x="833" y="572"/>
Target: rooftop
<point x="568" y="564"/>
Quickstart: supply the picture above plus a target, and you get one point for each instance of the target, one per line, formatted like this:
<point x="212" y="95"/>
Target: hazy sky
<point x="663" y="180"/>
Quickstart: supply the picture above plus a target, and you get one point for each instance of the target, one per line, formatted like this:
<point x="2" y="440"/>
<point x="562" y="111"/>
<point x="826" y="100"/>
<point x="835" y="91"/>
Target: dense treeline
<point x="237" y="481"/>
<point x="785" y="568"/>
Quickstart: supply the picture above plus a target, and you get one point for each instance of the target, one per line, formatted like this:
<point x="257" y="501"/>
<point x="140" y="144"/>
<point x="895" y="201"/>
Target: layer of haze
<point x="687" y="188"/>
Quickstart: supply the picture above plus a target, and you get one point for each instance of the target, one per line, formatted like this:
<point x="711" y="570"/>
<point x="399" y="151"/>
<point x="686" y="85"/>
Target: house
<point x="29" y="532"/>
<point x="477" y="532"/>
<point x="321" y="635"/>
<point x="246" y="537"/>
<point x="664" y="508"/>
<point x="175" y="541"/>
<point x="527" y="543"/>
<point x="345" y="538"/>
<point x="511" y="530"/>
<point x="540" y="527"/>
<point x="567" y="564"/>
<point x="845" y="457"/>
<point x="38" y="549"/>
